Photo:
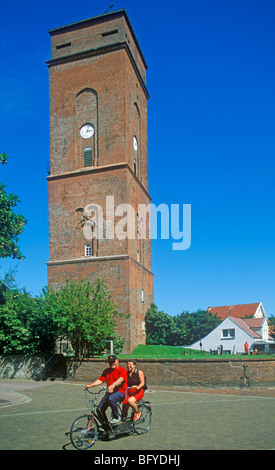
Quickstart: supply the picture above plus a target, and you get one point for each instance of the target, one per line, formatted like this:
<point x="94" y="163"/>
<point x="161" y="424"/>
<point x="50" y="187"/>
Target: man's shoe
<point x="115" y="421"/>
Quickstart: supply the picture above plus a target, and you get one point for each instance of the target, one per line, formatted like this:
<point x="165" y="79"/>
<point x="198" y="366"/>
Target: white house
<point x="235" y="330"/>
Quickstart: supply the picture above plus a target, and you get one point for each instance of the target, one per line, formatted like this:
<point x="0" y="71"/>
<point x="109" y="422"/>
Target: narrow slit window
<point x="88" y="156"/>
<point x="109" y="33"/>
<point x="142" y="295"/>
<point x="62" y="46"/>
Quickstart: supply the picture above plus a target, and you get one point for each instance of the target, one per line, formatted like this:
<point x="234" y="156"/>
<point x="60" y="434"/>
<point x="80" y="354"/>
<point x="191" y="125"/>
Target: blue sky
<point x="210" y="76"/>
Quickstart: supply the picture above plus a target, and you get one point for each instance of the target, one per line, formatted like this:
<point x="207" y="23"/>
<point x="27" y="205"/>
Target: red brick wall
<point x="191" y="373"/>
<point x="166" y="372"/>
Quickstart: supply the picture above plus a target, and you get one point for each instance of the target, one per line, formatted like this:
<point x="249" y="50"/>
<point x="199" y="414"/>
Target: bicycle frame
<point x="102" y="418"/>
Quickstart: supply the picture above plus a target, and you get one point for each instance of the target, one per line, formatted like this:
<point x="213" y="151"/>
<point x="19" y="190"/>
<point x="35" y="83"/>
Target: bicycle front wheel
<point x="143" y="424"/>
<point x="84" y="432"/>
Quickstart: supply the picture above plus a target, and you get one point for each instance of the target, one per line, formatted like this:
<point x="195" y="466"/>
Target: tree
<point x="183" y="329"/>
<point x="85" y="315"/>
<point x="195" y="326"/>
<point x="82" y="313"/>
<point x="24" y="328"/>
<point x="11" y="224"/>
<point x="3" y="158"/>
<point x="160" y="327"/>
<point x="271" y="326"/>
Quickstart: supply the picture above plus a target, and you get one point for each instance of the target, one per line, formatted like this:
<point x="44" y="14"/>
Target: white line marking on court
<point x="216" y="398"/>
<point x="199" y="402"/>
<point x="221" y="395"/>
<point x="69" y="410"/>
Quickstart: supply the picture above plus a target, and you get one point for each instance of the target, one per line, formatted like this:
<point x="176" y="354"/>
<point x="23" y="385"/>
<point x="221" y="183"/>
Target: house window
<point x="88" y="156"/>
<point x="228" y="334"/>
<point x="88" y="249"/>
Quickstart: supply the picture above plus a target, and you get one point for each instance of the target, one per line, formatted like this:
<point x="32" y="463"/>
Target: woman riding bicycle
<point x="136" y="382"/>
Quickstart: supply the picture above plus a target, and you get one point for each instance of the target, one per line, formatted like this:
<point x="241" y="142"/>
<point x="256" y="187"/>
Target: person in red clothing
<point x="116" y="380"/>
<point x="135" y="380"/>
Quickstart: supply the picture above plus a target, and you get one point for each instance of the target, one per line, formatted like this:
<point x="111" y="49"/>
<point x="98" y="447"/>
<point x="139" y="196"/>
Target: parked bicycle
<point x="90" y="427"/>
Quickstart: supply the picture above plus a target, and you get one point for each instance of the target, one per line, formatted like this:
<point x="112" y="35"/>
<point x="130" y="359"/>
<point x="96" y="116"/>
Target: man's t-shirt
<point x="111" y="375"/>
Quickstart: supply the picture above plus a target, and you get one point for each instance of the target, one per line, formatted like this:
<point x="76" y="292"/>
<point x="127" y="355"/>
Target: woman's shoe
<point x="137" y="416"/>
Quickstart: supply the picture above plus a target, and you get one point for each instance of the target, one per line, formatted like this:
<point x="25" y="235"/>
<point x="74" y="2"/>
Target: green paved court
<point x="182" y="420"/>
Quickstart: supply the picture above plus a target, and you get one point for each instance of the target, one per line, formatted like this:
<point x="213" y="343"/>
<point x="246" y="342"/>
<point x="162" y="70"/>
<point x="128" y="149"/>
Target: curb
<point x="9" y="398"/>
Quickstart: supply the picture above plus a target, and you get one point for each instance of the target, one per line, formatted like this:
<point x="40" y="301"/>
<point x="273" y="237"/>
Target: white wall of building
<point x="233" y="343"/>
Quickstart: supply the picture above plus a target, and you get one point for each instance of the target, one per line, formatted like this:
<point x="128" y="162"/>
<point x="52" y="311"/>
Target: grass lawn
<point x="176" y="352"/>
<point x="165" y="352"/>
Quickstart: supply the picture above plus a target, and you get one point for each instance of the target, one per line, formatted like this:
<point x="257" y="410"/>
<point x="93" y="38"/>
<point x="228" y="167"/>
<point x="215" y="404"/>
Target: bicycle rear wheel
<point x="84" y="432"/>
<point x="143" y="424"/>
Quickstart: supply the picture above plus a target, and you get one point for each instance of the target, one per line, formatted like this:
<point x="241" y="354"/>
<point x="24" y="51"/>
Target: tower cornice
<point x="98" y="169"/>
<point x="100" y="51"/>
<point x="99" y="19"/>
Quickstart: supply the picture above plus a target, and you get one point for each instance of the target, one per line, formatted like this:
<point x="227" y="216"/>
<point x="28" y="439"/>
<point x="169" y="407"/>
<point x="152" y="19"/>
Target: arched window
<point x="86" y="117"/>
<point x="137" y="141"/>
<point x="88" y="249"/>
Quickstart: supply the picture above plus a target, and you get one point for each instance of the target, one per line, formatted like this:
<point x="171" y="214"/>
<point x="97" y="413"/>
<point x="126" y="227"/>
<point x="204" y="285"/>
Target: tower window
<point x="88" y="250"/>
<point x="61" y="46"/>
<point x="109" y="33"/>
<point x="88" y="156"/>
<point x="135" y="166"/>
<point x="142" y="295"/>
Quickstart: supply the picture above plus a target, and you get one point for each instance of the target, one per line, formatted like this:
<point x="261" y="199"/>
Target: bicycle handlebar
<point x="101" y="390"/>
<point x="104" y="389"/>
<point x="95" y="393"/>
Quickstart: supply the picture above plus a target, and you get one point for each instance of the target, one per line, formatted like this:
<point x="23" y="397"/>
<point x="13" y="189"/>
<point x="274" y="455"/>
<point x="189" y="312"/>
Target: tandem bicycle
<point x="88" y="428"/>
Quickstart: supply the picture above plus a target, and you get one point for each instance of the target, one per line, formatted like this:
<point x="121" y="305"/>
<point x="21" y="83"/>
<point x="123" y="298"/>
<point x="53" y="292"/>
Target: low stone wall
<point x="34" y="368"/>
<point x="256" y="372"/>
<point x="20" y="367"/>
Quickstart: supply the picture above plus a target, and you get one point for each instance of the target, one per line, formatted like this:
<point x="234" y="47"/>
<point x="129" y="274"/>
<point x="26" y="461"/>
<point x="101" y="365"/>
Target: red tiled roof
<point x="236" y="311"/>
<point x="254" y="322"/>
<point x="244" y="325"/>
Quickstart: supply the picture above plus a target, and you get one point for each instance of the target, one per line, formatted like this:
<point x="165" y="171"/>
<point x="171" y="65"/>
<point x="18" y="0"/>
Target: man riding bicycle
<point x="116" y="379"/>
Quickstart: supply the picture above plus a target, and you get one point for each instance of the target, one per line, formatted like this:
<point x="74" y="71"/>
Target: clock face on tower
<point x="87" y="131"/>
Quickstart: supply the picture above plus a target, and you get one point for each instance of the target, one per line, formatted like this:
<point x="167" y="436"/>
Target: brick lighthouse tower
<point x="99" y="162"/>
